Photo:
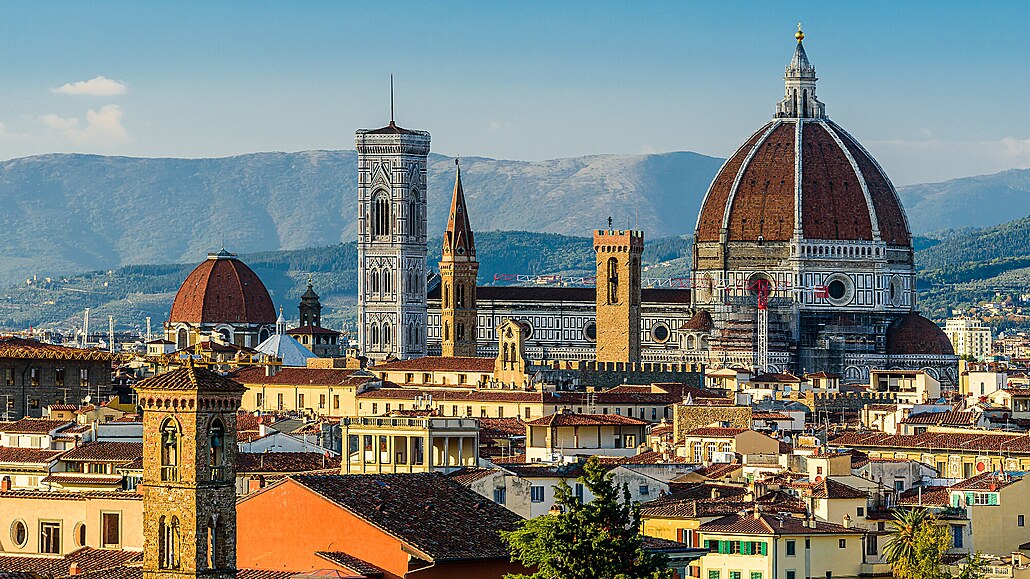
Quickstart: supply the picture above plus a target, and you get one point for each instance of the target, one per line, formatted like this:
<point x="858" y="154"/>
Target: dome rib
<point x="832" y="130"/>
<point x="707" y="228"/>
<point x="762" y="202"/>
<point x="833" y="207"/>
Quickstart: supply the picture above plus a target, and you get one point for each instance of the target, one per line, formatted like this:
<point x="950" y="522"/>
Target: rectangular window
<point x="1019" y="520"/>
<point x="375" y="408"/>
<point x="83" y="377"/>
<point x="756" y="575"/>
<point x="712" y="574"/>
<point x="792" y="574"/>
<point x="368" y="447"/>
<point x="300" y="401"/>
<point x="500" y="495"/>
<point x="409" y="378"/>
<point x="417" y="451"/>
<point x="527" y="413"/>
<point x="482" y="412"/>
<point x="59" y="377"/>
<point x="279" y="401"/>
<point x="644" y="491"/>
<point x="387" y="407"/>
<point x="872" y="546"/>
<point x="735" y="574"/>
<point x="579" y="492"/>
<point x="454" y="410"/>
<point x="842" y="544"/>
<point x="321" y="401"/>
<point x="336" y="401"/>
<point x="861" y="511"/>
<point x="462" y="378"/>
<point x="500" y="412"/>
<point x="426" y="378"/>
<point x="956" y="536"/>
<point x="50" y="538"/>
<point x="34" y="376"/>
<point x="536" y="494"/>
<point x="111" y="529"/>
<point x="260" y="400"/>
<point x="654" y="414"/>
<point x="792" y="548"/>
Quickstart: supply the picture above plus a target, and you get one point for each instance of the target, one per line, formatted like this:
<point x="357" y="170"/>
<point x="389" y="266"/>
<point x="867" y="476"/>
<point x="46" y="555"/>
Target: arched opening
<point x="169" y="541"/>
<point x="212" y="543"/>
<point x="459" y="333"/>
<point x="182" y="340"/>
<point x="613" y="280"/>
<point x="216" y="446"/>
<point x="225" y="335"/>
<point x="387" y="281"/>
<point x="263" y="335"/>
<point x="373" y="335"/>
<point x="413" y="214"/>
<point x="804" y="103"/>
<point x="386" y="335"/>
<point x="446" y="295"/>
<point x="170" y="434"/>
<point x="373" y="279"/>
<point x="446" y="331"/>
<point x="459" y="296"/>
<point x="380" y="215"/>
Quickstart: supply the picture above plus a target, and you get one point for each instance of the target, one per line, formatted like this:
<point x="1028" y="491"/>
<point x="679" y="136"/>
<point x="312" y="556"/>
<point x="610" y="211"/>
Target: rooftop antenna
<point x="391" y="98"/>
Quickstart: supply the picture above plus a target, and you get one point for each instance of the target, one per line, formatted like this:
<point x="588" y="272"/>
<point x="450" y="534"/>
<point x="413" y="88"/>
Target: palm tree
<point x="900" y="549"/>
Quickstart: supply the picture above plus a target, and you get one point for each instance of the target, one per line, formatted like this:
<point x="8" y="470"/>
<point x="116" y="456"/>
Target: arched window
<point x="380" y="215"/>
<point x="804" y="103"/>
<point x="446" y="331"/>
<point x="373" y="279"/>
<point x="373" y="334"/>
<point x="183" y="339"/>
<point x="170" y="435"/>
<point x="459" y="331"/>
<point x="459" y="296"/>
<point x="386" y="335"/>
<point x="263" y="335"/>
<point x="169" y="541"/>
<point x="413" y="214"/>
<point x="212" y="543"/>
<point x="387" y="281"/>
<point x="446" y="295"/>
<point x="216" y="446"/>
<point x="613" y="280"/>
<point x="225" y="335"/>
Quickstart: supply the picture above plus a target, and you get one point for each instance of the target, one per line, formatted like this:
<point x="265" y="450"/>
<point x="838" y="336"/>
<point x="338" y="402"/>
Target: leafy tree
<point x="597" y="540"/>
<point x="918" y="545"/>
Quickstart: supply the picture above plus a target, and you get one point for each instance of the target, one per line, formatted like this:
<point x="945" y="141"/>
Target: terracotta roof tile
<point x="573" y="419"/>
<point x="288" y="375"/>
<point x="351" y="563"/>
<point x="13" y="347"/>
<point x="10" y="455"/>
<point x="35" y="426"/>
<point x="89" y="560"/>
<point x="468" y="475"/>
<point x="439" y="363"/>
<point x="284" y="462"/>
<point x="428" y="511"/>
<point x="715" y="432"/>
<point x="767" y="524"/>
<point x="121" y="452"/>
<point x="190" y="378"/>
<point x="914" y="334"/>
<point x="222" y="289"/>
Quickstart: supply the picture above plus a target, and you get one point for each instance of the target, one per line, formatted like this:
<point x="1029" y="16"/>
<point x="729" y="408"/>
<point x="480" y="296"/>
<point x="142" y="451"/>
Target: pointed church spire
<point x="458" y="240"/>
<point x="280" y="323"/>
<point x="799" y="80"/>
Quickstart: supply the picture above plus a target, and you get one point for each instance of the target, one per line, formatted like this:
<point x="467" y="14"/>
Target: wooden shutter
<point x="110" y="529"/>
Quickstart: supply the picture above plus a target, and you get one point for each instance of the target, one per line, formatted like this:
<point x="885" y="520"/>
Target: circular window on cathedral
<point x="894" y="292"/>
<point x="529" y="328"/>
<point x="660" y="333"/>
<point x="840" y="290"/>
<point x="19" y="533"/>
<point x="590" y="331"/>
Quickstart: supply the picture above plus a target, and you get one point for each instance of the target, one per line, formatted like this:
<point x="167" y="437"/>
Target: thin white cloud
<point x="102" y="128"/>
<point x="99" y="86"/>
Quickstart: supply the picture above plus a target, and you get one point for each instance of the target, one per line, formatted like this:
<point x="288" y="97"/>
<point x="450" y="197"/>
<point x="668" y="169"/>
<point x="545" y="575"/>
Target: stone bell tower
<point x="618" y="294"/>
<point x="189" y="474"/>
<point x="458" y="271"/>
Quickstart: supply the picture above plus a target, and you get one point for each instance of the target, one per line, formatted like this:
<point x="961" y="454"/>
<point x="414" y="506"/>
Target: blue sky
<point x="935" y="90"/>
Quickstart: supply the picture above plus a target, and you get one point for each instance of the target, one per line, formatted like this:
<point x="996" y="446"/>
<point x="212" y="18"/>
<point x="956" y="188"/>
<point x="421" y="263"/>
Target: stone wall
<point x="604" y="375"/>
<point x="686" y="418"/>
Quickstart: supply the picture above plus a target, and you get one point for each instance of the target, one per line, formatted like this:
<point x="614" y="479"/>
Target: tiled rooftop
<point x="27" y="455"/>
<point x="573" y="419"/>
<point x="284" y="462"/>
<point x="34" y="426"/>
<point x="431" y="513"/>
<point x="121" y="452"/>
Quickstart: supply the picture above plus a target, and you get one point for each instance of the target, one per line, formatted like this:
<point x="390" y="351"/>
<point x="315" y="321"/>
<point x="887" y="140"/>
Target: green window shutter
<point x="956" y="500"/>
<point x="969" y="498"/>
<point x="992" y="499"/>
<point x="745" y="548"/>
<point x="756" y="574"/>
<point x="706" y="543"/>
<point x="762" y="548"/>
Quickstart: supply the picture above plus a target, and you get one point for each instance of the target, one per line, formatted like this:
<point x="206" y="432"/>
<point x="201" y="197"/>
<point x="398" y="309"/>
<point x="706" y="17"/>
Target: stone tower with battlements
<point x="618" y="294"/>
<point x="189" y="474"/>
<point x="458" y="271"/>
<point x="392" y="242"/>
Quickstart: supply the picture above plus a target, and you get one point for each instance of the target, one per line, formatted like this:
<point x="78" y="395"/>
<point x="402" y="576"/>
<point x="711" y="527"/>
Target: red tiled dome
<point x="843" y="193"/>
<point x="222" y="289"/>
<point x="914" y="334"/>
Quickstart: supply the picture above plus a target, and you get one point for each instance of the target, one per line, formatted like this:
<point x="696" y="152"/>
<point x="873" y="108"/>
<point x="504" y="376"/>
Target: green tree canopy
<point x="597" y="540"/>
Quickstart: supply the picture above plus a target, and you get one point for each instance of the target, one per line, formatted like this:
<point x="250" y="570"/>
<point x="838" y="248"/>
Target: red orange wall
<point x="282" y="527"/>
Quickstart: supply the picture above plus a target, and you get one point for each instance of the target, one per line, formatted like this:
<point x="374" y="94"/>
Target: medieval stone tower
<point x="392" y="242"/>
<point x="189" y="474"/>
<point x="458" y="270"/>
<point x="618" y="294"/>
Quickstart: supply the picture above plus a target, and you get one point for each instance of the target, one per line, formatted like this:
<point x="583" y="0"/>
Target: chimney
<point x="715" y="494"/>
<point x="73" y="568"/>
<point x="5" y="484"/>
<point x="847" y="521"/>
<point x="255" y="484"/>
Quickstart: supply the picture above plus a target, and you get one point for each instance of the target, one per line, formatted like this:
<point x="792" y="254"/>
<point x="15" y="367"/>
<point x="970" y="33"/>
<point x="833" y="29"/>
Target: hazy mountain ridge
<point x="980" y="201"/>
<point x="67" y="213"/>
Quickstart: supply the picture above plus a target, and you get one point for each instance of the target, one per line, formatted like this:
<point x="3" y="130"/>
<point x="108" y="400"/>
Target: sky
<point x="935" y="90"/>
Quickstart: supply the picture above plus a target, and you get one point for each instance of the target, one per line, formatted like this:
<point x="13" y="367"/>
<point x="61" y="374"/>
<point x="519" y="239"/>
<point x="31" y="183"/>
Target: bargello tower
<point x="392" y="242"/>
<point x="618" y="294"/>
<point x="189" y="474"/>
<point x="458" y="270"/>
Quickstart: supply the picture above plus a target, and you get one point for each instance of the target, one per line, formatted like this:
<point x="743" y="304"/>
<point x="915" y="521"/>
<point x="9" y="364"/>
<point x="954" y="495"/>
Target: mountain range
<point x="68" y="213"/>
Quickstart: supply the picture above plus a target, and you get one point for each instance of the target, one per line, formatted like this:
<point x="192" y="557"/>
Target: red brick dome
<point x="815" y="175"/>
<point x="914" y="334"/>
<point x="222" y="289"/>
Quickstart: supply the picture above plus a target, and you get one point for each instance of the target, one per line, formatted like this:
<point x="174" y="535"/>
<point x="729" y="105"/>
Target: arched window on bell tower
<point x="170" y="447"/>
<point x="213" y="559"/>
<point x="169" y="543"/>
<point x="613" y="280"/>
<point x="216" y="449"/>
<point x="380" y="215"/>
